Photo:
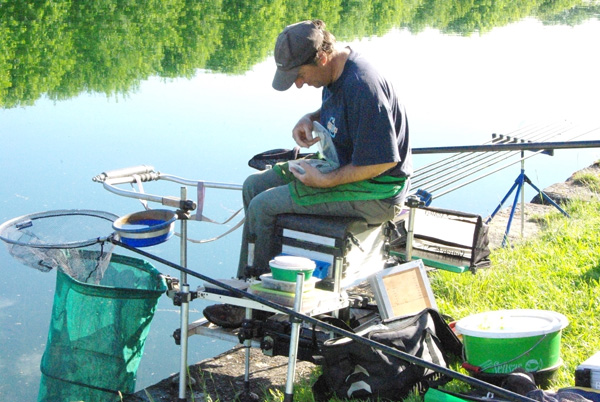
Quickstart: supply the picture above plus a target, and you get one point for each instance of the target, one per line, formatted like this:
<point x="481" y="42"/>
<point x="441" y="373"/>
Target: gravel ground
<point x="222" y="378"/>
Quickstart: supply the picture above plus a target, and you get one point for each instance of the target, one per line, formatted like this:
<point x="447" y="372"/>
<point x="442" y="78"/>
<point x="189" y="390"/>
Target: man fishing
<point x="368" y="127"/>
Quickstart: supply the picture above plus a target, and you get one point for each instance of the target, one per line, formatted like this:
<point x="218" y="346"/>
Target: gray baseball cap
<point x="296" y="45"/>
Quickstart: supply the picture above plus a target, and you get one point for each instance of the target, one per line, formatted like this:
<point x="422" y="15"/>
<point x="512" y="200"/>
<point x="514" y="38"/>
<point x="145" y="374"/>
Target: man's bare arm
<point x="346" y="174"/>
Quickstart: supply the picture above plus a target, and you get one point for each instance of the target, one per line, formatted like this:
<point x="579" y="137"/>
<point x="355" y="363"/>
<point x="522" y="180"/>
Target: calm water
<point x="458" y="89"/>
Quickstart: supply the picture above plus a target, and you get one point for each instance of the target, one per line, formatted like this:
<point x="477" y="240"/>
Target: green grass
<point x="588" y="179"/>
<point x="559" y="270"/>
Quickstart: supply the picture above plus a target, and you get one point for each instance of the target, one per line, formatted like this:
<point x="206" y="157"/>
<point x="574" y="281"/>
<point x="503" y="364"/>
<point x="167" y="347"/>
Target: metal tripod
<point x="518" y="185"/>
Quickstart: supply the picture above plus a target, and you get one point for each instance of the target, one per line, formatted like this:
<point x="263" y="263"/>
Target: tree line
<point x="61" y="48"/>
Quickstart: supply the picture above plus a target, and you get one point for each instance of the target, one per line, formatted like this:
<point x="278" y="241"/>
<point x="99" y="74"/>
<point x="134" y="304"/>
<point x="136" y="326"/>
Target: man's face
<point x="312" y="75"/>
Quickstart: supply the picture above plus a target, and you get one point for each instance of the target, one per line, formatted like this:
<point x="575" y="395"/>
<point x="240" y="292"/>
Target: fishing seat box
<point x="345" y="246"/>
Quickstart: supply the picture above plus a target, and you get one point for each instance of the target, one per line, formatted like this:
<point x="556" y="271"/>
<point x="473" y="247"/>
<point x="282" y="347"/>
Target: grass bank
<point x="559" y="270"/>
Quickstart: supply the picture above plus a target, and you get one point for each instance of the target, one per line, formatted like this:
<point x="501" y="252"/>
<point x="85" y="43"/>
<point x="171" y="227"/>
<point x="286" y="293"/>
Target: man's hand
<point x="308" y="174"/>
<point x="302" y="132"/>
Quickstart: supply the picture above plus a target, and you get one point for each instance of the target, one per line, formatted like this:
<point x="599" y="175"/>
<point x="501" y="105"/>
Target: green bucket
<point x="436" y="395"/>
<point x="286" y="267"/>
<point x="498" y="342"/>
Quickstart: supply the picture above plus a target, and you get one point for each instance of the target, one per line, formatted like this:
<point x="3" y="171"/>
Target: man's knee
<point x="259" y="182"/>
<point x="251" y="187"/>
<point x="259" y="206"/>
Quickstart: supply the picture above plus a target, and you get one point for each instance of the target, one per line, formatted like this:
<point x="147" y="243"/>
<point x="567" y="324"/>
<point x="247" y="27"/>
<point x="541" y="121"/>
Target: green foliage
<point x="61" y="48"/>
<point x="6" y="53"/>
<point x="198" y="36"/>
<point x="35" y="49"/>
<point x="247" y="34"/>
<point x="302" y="390"/>
<point x="571" y="17"/>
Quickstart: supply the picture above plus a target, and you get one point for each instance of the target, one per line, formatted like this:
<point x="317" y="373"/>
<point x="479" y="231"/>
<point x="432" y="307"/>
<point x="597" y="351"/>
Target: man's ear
<point x="323" y="59"/>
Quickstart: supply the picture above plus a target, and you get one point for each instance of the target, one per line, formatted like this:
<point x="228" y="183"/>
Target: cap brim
<point x="283" y="80"/>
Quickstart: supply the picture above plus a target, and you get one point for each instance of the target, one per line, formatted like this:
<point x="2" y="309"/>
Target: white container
<point x="293" y="262"/>
<point x="285" y="286"/>
<point x="593" y="366"/>
<point x="512" y="323"/>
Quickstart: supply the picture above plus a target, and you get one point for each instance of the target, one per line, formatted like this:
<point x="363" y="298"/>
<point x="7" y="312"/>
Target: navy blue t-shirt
<point x="368" y="124"/>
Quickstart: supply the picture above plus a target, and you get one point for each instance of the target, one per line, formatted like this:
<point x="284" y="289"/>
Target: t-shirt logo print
<point x="331" y="127"/>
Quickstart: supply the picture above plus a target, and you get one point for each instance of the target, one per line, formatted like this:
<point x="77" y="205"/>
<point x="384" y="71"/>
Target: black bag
<point x="352" y="369"/>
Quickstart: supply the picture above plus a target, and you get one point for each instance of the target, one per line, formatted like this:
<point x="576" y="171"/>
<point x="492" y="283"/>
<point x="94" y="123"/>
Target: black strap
<point x="272" y="157"/>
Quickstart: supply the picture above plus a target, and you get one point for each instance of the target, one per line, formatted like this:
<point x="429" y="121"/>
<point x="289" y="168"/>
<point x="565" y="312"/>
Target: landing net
<point x="73" y="241"/>
<point x="103" y="303"/>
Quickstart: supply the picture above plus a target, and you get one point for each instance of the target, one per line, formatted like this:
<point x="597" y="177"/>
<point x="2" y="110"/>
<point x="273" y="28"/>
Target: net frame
<point x="83" y="259"/>
<point x="20" y="221"/>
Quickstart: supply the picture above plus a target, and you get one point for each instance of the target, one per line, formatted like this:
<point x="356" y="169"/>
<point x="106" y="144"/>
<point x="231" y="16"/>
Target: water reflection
<point x="63" y="48"/>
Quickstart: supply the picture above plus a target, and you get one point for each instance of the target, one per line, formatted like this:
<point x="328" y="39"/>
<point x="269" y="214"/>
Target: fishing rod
<point x="481" y="176"/>
<point x="487" y="162"/>
<point x="503" y="167"/>
<point x="520" y="133"/>
<point x="528" y="146"/>
<point x="542" y="147"/>
<point x="329" y="327"/>
<point x="457" y="164"/>
<point x="484" y="160"/>
<point x="469" y="158"/>
<point x="441" y="182"/>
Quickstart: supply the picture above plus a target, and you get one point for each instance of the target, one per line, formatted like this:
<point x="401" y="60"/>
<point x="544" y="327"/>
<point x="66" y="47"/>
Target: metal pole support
<point x="413" y="203"/>
<point x="185" y="307"/>
<point x="247" y="346"/>
<point x="522" y="197"/>
<point x="294" y="339"/>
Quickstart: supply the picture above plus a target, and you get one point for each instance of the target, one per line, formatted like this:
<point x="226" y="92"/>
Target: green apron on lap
<point x="377" y="188"/>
